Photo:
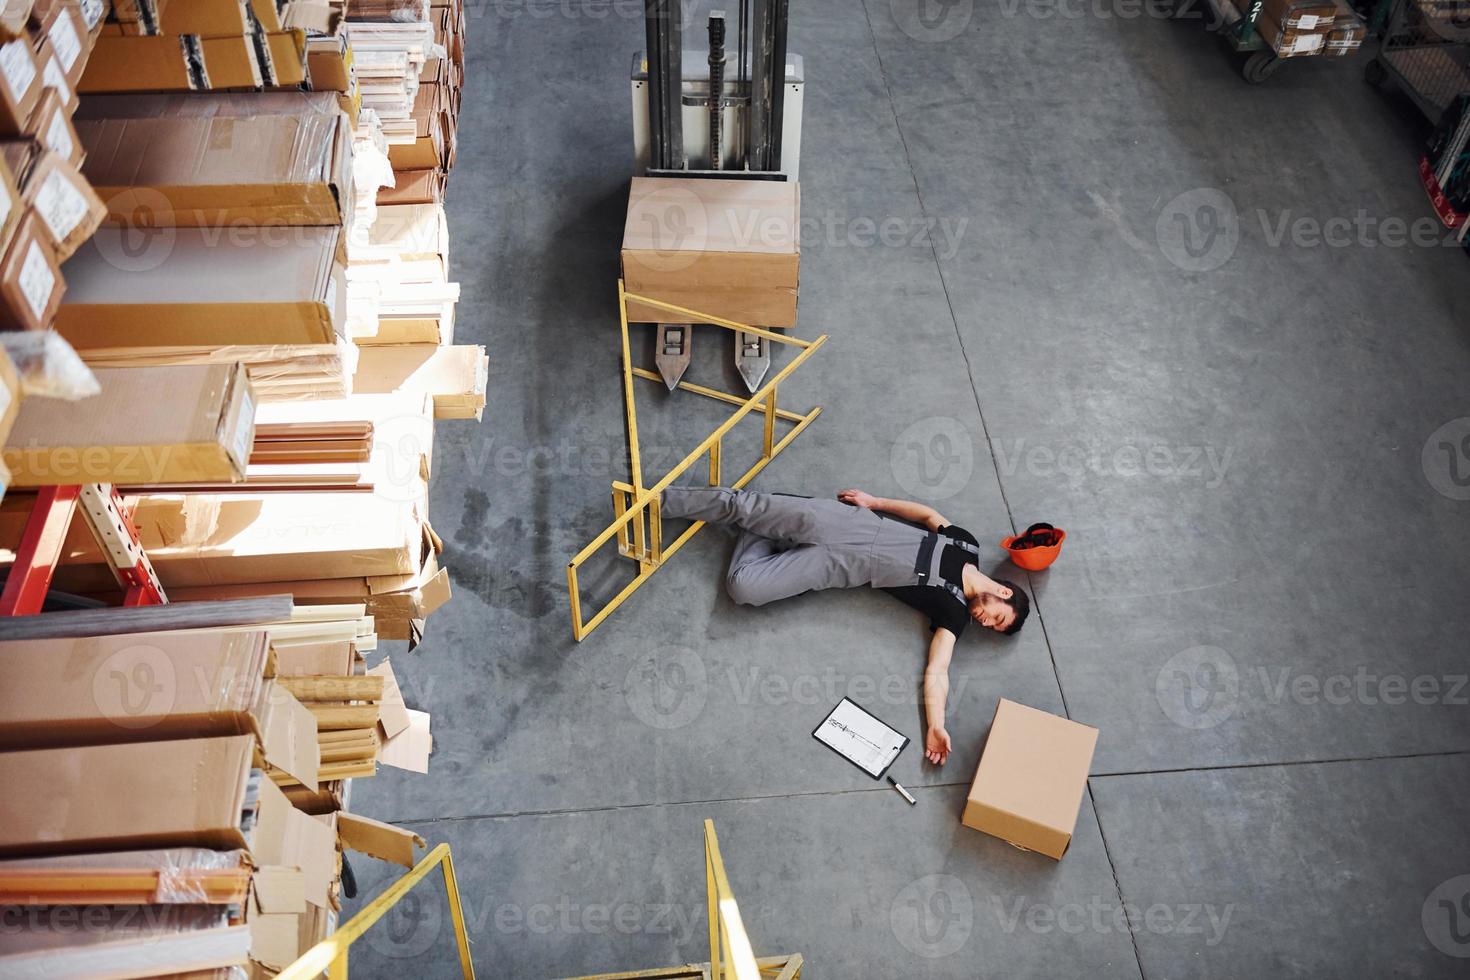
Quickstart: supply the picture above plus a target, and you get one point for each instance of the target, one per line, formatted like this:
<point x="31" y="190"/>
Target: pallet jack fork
<point x="44" y="539"/>
<point x="637" y="524"/>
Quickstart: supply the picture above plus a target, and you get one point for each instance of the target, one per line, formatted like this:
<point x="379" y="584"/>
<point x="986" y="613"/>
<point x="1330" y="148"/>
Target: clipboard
<point x="861" y="738"/>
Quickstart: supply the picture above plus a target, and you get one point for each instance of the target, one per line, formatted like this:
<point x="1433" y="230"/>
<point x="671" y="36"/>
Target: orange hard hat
<point x="1037" y="548"/>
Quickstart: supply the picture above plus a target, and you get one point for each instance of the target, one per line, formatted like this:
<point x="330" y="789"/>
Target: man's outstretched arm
<point x="907" y="509"/>
<point x="936" y="692"/>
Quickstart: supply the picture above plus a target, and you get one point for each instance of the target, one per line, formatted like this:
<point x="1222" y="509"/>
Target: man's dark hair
<point x="1019" y="602"/>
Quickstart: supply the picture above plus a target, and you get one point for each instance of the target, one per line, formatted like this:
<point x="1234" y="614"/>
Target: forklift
<point x="728" y="111"/>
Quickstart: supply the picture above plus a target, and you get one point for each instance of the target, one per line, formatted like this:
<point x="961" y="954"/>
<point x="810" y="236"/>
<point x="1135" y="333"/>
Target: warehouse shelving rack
<point x="111" y="520"/>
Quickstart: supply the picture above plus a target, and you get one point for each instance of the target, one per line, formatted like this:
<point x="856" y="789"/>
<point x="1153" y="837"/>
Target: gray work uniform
<point x="790" y="544"/>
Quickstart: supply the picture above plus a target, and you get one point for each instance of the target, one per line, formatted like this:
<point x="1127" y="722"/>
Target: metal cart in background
<point x="1242" y="36"/>
<point x="1425" y="51"/>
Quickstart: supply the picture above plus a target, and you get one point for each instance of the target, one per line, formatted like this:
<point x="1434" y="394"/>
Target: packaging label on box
<point x="245" y="432"/>
<point x="1307" y="22"/>
<point x="53" y="78"/>
<point x="17" y="69"/>
<point x="1307" y="42"/>
<point x="60" y="205"/>
<point x="36" y="281"/>
<point x="6" y="205"/>
<point x="58" y="138"/>
<point x="64" y="39"/>
<point x="92" y="11"/>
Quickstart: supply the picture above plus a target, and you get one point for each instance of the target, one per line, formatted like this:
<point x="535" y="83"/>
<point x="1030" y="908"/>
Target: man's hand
<point x="936" y="746"/>
<point x="858" y="498"/>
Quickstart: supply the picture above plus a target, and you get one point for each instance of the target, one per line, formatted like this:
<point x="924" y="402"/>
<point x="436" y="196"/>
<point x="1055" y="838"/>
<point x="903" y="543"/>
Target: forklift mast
<point x="744" y="109"/>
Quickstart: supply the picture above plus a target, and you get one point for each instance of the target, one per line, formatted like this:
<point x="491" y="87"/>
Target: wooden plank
<point x="366" y="687"/>
<point x="332" y="717"/>
<point x="109" y="621"/>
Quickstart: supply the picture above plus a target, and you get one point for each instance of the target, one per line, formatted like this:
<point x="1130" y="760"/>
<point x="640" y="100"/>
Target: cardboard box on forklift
<point x="1032" y="774"/>
<point x="222" y="171"/>
<point x="183" y="423"/>
<point x="133" y="796"/>
<point x="726" y="247"/>
<point x="195" y="287"/>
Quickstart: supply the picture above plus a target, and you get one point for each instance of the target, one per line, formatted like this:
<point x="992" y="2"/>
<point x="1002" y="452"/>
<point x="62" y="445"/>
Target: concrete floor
<point x="1121" y="323"/>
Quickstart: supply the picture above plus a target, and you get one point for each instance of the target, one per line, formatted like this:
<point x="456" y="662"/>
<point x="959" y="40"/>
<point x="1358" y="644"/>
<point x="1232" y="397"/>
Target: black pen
<point x="905" y="792"/>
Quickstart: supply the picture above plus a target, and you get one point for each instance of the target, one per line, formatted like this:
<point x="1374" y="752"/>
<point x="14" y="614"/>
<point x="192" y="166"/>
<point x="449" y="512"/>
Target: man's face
<point x="993" y="612"/>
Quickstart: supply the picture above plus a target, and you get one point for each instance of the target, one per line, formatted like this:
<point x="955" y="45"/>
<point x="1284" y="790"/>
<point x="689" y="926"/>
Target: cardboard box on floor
<point x="284" y="169"/>
<point x="729" y="248"/>
<point x="193" y="287"/>
<point x="1032" y="774"/>
<point x="148" y="425"/>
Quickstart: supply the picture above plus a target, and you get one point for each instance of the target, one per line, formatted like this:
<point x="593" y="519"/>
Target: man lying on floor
<point x="789" y="545"/>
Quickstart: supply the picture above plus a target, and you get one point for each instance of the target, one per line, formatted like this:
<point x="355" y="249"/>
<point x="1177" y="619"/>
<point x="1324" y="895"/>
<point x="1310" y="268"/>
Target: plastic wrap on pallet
<point x="177" y="867"/>
<point x="48" y="367"/>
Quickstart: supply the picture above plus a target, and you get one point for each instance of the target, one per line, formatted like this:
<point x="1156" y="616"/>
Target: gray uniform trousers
<point x="792" y="545"/>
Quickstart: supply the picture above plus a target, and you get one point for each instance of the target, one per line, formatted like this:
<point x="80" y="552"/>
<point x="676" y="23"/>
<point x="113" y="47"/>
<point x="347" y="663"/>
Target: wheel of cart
<point x="1239" y="31"/>
<point x="1425" y="51"/>
<point x="1259" y="65"/>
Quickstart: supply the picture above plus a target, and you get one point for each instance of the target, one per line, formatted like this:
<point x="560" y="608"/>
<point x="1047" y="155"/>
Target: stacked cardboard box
<point x="196" y="776"/>
<point x="1301" y="28"/>
<point x="47" y="209"/>
<point x="200" y="45"/>
<point x="268" y="351"/>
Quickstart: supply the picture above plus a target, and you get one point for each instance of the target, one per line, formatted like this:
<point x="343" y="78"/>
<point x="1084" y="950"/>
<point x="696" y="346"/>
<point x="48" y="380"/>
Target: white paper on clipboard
<point x="860" y="738"/>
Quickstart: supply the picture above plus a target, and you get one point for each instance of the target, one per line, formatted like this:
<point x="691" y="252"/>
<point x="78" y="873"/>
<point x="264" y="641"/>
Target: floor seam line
<point x="959" y="338"/>
<point x="1281" y="765"/>
<point x="663" y="803"/>
<point x="1117" y="885"/>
